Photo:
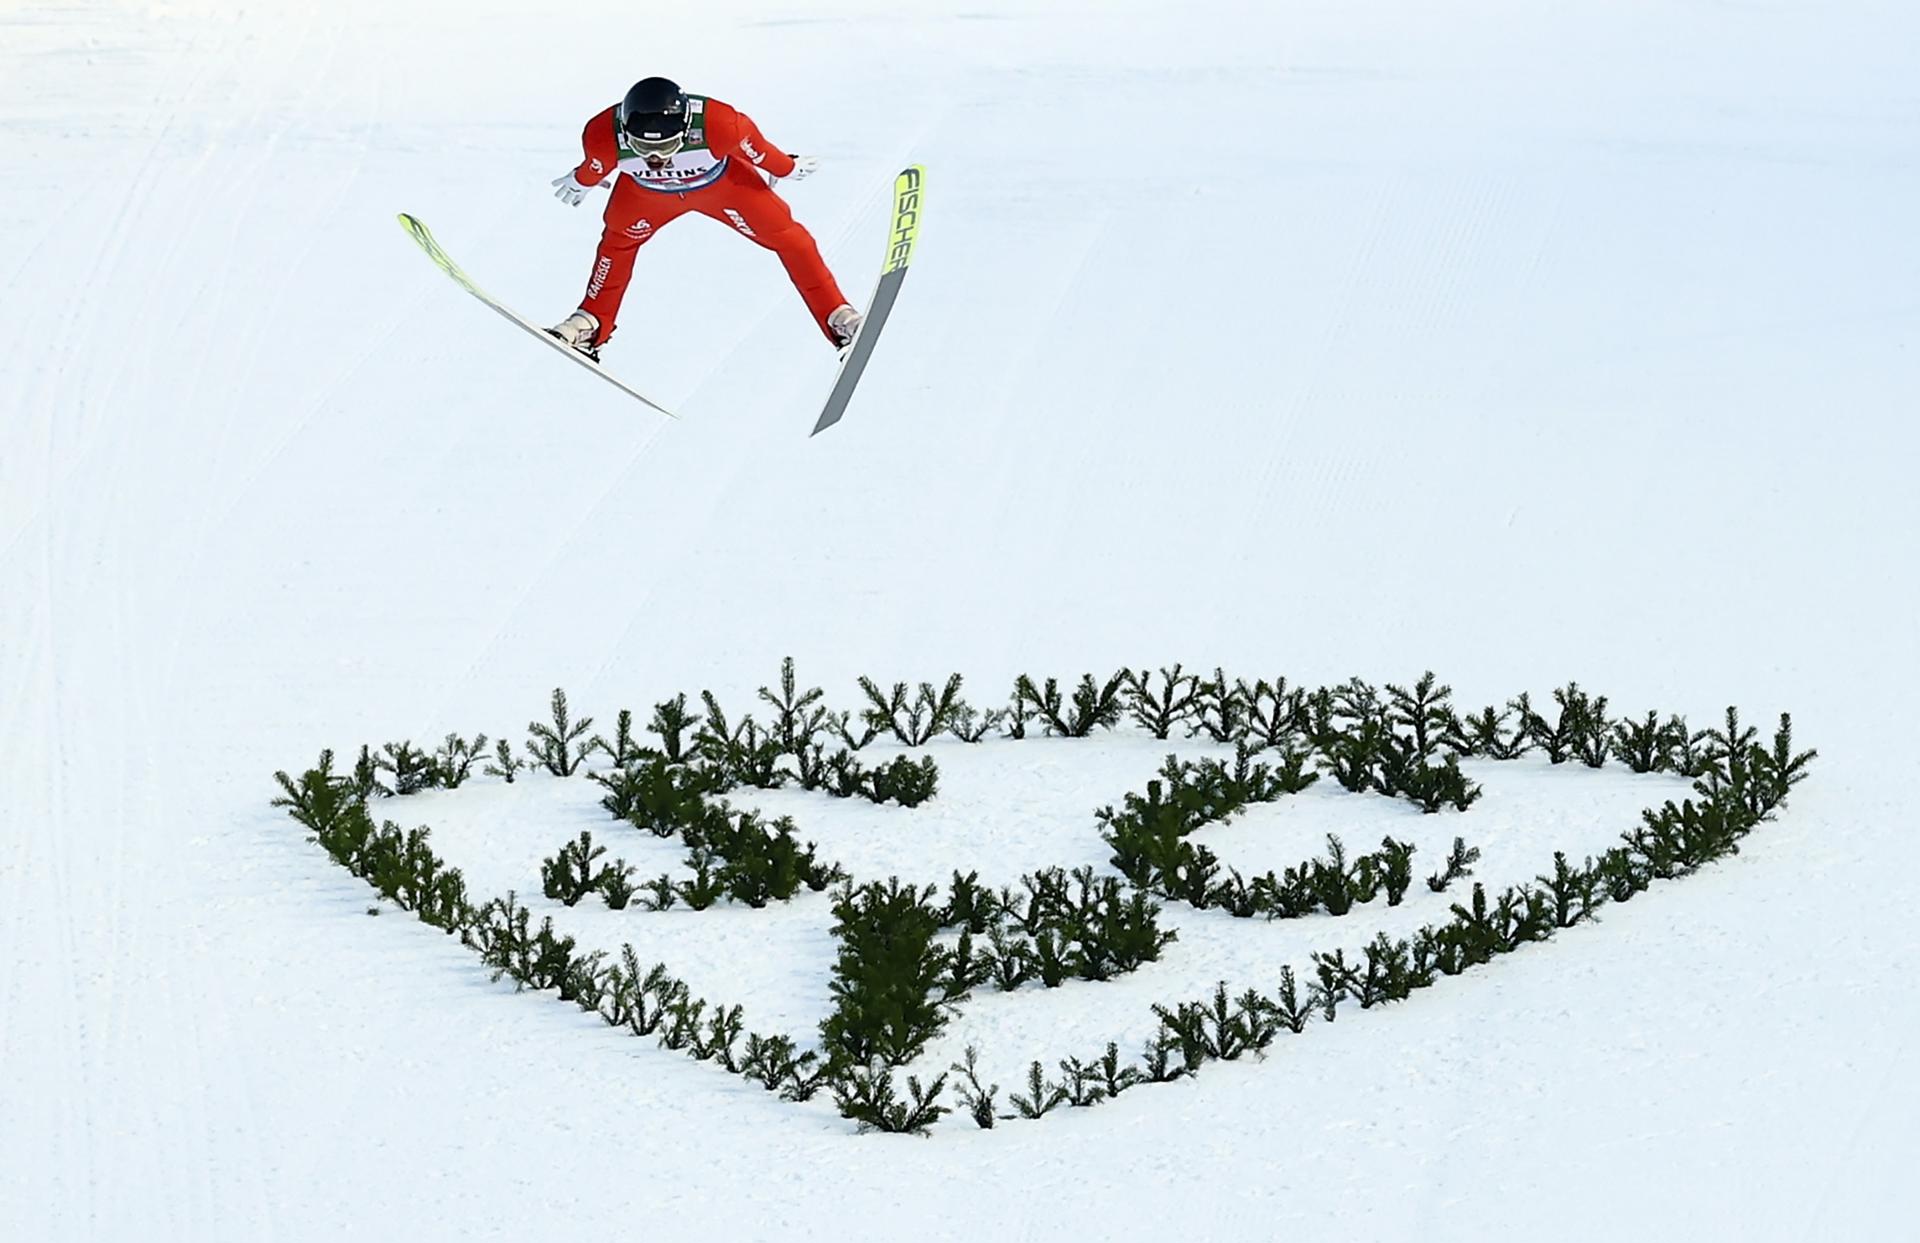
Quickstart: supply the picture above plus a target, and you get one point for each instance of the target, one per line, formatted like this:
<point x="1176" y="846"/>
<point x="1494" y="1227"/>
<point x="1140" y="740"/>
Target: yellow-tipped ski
<point x="906" y="217"/>
<point x="421" y="235"/>
<point x="907" y="190"/>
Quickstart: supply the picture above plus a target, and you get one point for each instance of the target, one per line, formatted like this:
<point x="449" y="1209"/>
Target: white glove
<point x="569" y="191"/>
<point x="804" y="166"/>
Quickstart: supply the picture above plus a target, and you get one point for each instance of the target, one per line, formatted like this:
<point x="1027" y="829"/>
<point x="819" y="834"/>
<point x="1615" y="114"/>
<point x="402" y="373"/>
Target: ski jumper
<point x="718" y="173"/>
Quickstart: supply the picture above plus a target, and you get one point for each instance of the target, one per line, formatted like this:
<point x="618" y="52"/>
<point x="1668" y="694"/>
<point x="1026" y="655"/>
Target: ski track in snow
<point x="1520" y="343"/>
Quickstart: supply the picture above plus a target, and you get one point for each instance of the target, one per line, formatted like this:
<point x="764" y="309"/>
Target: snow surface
<point x="1523" y="342"/>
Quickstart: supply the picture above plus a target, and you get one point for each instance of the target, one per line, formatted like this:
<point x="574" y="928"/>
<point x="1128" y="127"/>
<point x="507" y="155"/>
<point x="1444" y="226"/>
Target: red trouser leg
<point x="750" y="207"/>
<point x="633" y="215"/>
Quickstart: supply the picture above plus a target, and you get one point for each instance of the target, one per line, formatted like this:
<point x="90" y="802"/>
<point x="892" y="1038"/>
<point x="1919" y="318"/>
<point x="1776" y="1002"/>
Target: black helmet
<point x="653" y="117"/>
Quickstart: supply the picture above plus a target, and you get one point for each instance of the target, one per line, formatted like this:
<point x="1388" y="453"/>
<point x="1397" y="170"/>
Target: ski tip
<point x="907" y="190"/>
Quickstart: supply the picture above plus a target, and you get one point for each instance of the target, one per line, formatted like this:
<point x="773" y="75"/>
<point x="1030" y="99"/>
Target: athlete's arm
<point x="602" y="148"/>
<point x="732" y="132"/>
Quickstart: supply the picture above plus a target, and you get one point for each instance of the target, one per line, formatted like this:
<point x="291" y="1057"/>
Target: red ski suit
<point x="718" y="174"/>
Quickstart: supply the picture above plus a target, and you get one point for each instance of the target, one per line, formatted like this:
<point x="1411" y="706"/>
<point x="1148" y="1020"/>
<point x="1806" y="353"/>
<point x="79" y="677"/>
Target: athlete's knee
<point x="791" y="239"/>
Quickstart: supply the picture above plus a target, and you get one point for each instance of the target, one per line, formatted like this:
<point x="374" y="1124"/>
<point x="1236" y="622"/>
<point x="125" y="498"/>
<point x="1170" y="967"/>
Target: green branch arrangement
<point x="909" y="955"/>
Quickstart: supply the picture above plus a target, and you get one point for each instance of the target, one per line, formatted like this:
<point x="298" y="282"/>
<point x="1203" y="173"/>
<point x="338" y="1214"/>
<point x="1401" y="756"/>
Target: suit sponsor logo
<point x="692" y="171"/>
<point x="739" y="223"/>
<point x="746" y="145"/>
<point x="640" y="230"/>
<point x="597" y="166"/>
<point x="599" y="281"/>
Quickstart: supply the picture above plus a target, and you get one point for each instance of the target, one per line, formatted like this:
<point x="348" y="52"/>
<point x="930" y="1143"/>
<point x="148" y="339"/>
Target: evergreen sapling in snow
<point x="1220" y="708"/>
<point x="970" y="905"/>
<point x="1396" y="868"/>
<point x="904" y="781"/>
<point x="659" y="894"/>
<point x="966" y="970"/>
<point x="840" y="725"/>
<point x="411" y="769"/>
<point x="623" y="750"/>
<point x="1424" y="712"/>
<point x="365" y="782"/>
<point x="1460" y="861"/>
<point x="1593" y="742"/>
<point x="912" y="720"/>
<point x="557" y="747"/>
<point x="1010" y="960"/>
<point x="1623" y="873"/>
<point x="758" y="863"/>
<point x="977" y="1099"/>
<point x="639" y="1000"/>
<point x="799" y="717"/>
<point x="1115" y="1078"/>
<point x="1687" y="750"/>
<point x="866" y="1095"/>
<point x="1434" y="786"/>
<point x="1287" y="1008"/>
<point x="1158" y="711"/>
<point x="1094" y="705"/>
<point x="454" y="760"/>
<point x="887" y="978"/>
<point x="615" y="883"/>
<point x="1277" y="715"/>
<point x="1751" y="779"/>
<point x="1574" y="892"/>
<point x="673" y="724"/>
<point x="1081" y="1080"/>
<point x="715" y="1043"/>
<point x="584" y="982"/>
<point x="1334" y="981"/>
<point x="504" y="763"/>
<point x="971" y="726"/>
<point x="661" y="797"/>
<point x="745" y="755"/>
<point x="774" y="1062"/>
<point x="1642" y="745"/>
<point x="1040" y="1098"/>
<point x="1485" y="735"/>
<point x="705" y="888"/>
<point x="319" y="798"/>
<point x="536" y="960"/>
<point x="570" y="876"/>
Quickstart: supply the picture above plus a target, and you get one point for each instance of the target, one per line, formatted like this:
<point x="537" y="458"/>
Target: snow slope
<point x="1520" y="342"/>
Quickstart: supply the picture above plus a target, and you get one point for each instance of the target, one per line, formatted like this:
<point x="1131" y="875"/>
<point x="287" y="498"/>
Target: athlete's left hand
<point x="804" y="166"/>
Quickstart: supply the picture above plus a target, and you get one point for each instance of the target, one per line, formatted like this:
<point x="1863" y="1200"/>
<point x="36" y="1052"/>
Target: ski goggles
<point x="655" y="133"/>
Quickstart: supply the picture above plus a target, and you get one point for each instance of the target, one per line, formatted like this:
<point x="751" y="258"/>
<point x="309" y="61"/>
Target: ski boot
<point x="844" y="324"/>
<point x="577" y="332"/>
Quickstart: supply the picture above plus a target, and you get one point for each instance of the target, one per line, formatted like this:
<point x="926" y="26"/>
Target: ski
<point x="906" y="227"/>
<point x="445" y="263"/>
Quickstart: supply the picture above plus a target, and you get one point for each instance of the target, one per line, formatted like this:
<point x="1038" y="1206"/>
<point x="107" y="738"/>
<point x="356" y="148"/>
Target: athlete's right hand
<point x="569" y="191"/>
